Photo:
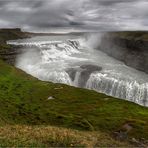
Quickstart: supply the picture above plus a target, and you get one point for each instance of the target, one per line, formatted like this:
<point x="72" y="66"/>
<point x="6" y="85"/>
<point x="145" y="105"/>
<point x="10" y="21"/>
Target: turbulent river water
<point x="72" y="60"/>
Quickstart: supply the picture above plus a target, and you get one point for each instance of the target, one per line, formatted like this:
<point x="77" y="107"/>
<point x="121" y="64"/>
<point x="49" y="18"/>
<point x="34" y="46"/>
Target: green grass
<point x="24" y="100"/>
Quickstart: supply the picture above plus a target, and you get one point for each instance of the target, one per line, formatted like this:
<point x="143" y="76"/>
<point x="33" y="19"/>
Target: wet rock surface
<point x="133" y="52"/>
<point x="10" y="55"/>
<point x="72" y="73"/>
<point x="84" y="73"/>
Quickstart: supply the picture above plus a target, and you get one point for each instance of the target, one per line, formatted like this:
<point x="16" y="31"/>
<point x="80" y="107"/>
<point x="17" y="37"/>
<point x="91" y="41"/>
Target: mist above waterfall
<point x="93" y="40"/>
<point x="74" y="60"/>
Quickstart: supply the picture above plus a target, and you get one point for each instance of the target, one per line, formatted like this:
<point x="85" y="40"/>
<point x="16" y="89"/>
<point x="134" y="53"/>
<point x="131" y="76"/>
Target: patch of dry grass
<point x="45" y="136"/>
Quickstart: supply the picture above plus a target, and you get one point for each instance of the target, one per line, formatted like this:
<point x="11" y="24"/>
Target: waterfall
<point x="46" y="60"/>
<point x="77" y="77"/>
<point x="56" y="77"/>
<point x="130" y="90"/>
<point x="73" y="62"/>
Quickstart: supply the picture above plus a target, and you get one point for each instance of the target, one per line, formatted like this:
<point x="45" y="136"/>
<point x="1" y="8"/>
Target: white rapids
<point x="49" y="57"/>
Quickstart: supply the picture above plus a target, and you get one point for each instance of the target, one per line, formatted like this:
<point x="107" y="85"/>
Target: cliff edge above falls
<point x="8" y="53"/>
<point x="131" y="47"/>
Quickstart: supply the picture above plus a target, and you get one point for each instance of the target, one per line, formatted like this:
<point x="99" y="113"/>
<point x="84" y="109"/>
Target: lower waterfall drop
<point x="76" y="80"/>
<point x="129" y="90"/>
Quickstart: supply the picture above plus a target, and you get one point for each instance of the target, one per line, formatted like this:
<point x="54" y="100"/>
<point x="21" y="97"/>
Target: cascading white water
<point x="76" y="80"/>
<point x="59" y="59"/>
<point x="46" y="60"/>
<point x="130" y="90"/>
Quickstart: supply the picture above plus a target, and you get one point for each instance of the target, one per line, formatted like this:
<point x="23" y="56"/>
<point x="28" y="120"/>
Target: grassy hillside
<point x="26" y="100"/>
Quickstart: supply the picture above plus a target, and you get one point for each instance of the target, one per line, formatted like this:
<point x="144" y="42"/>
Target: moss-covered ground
<point x="24" y="100"/>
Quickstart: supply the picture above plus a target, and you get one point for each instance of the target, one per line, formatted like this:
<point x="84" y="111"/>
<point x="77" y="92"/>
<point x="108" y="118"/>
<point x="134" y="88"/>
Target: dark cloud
<point x="73" y="23"/>
<point x="75" y="14"/>
<point x="111" y="2"/>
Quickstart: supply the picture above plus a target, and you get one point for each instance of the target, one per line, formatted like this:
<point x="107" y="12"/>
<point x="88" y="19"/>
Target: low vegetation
<point x="132" y="35"/>
<point x="24" y="100"/>
<point x="49" y="136"/>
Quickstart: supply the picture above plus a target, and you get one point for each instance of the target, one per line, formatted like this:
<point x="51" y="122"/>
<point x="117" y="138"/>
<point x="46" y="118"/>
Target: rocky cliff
<point x="8" y="53"/>
<point x="129" y="47"/>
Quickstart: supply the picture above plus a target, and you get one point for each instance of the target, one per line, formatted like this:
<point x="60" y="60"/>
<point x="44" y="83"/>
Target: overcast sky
<point x="74" y="14"/>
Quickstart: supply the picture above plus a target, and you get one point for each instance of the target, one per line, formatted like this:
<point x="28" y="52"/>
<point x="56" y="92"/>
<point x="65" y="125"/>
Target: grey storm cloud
<point x="76" y="14"/>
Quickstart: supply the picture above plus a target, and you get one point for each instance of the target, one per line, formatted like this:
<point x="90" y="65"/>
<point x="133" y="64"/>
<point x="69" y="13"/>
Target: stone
<point x="50" y="98"/>
<point x="119" y="135"/>
<point x="127" y="127"/>
<point x="58" y="88"/>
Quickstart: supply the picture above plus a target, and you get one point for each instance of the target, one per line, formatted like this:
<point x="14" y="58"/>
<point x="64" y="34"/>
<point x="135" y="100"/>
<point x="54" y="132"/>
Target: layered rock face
<point x="8" y="53"/>
<point x="80" y="75"/>
<point x="129" y="47"/>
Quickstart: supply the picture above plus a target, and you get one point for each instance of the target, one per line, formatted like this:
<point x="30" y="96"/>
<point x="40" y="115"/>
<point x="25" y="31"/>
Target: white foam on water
<point x="47" y="58"/>
<point x="115" y="86"/>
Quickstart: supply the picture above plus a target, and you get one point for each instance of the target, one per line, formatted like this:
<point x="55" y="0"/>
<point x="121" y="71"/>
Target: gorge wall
<point x="8" y="53"/>
<point x="129" y="47"/>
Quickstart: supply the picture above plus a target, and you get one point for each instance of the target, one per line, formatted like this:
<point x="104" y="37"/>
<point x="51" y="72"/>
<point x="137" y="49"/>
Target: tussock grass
<point x="50" y="136"/>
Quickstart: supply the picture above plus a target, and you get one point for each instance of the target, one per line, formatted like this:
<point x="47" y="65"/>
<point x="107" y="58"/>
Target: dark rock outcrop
<point x="84" y="73"/>
<point x="8" y="53"/>
<point x="131" y="49"/>
<point x="72" y="73"/>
